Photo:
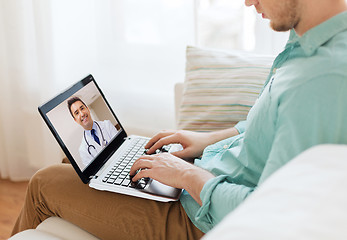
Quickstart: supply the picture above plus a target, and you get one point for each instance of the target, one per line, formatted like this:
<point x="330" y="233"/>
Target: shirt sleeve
<point x="241" y="126"/>
<point x="219" y="197"/>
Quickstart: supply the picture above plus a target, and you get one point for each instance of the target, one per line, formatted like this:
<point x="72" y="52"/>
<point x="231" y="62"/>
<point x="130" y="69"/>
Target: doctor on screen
<point x="96" y="135"/>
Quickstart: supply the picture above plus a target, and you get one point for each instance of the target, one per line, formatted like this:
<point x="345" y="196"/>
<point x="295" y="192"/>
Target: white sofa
<point x="305" y="199"/>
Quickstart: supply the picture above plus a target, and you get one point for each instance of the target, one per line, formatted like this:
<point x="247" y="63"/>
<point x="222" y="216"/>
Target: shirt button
<point x="225" y="146"/>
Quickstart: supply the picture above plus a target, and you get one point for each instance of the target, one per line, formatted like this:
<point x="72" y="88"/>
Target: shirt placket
<point x="280" y="59"/>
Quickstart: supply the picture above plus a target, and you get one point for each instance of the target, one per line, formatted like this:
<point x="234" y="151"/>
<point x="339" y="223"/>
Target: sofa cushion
<point x="220" y="87"/>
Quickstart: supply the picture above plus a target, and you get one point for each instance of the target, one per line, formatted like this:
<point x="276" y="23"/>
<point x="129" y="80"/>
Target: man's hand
<point x="193" y="143"/>
<point x="173" y="171"/>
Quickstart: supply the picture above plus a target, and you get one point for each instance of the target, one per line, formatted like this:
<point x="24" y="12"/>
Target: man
<point x="96" y="134"/>
<point x="303" y="103"/>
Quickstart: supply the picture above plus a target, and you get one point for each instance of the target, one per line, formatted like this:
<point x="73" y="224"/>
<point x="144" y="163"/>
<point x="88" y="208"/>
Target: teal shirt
<point x="303" y="103"/>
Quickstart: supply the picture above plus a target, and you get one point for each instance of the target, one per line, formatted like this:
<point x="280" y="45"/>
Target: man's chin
<point x="280" y="27"/>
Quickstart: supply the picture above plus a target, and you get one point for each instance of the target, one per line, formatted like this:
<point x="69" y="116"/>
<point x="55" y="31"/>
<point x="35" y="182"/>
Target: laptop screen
<point x="84" y="125"/>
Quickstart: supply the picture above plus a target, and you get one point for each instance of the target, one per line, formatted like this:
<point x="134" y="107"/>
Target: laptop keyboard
<point x="119" y="173"/>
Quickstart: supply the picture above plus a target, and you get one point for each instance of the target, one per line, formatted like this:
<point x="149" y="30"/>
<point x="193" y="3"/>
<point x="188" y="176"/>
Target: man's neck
<point x="89" y="127"/>
<point x="315" y="12"/>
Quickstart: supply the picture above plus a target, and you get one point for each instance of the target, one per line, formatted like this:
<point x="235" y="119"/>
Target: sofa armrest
<point x="305" y="199"/>
<point x="54" y="228"/>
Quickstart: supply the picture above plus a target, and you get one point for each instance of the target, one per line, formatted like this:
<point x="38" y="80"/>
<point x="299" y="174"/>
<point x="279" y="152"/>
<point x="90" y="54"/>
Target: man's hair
<point x="72" y="101"/>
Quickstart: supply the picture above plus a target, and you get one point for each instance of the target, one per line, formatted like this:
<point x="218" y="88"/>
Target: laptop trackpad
<point x="158" y="188"/>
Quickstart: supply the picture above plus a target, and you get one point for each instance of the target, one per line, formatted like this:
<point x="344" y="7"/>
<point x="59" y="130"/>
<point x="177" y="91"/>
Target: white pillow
<point x="305" y="199"/>
<point x="220" y="87"/>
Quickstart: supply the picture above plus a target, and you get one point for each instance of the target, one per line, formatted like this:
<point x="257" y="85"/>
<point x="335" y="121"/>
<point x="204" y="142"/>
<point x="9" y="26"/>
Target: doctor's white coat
<point x="106" y="132"/>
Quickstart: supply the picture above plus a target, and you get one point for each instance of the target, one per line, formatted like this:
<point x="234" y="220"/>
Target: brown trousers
<point x="58" y="191"/>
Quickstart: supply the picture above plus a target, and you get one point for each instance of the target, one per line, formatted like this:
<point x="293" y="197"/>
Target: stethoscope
<point x="104" y="142"/>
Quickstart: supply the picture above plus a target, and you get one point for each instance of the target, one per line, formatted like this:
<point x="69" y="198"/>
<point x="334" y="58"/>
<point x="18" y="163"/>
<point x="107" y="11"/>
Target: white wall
<point x="134" y="49"/>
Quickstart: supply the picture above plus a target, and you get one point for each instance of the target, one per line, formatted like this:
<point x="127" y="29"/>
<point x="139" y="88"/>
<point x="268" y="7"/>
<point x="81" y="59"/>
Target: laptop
<point x="96" y="144"/>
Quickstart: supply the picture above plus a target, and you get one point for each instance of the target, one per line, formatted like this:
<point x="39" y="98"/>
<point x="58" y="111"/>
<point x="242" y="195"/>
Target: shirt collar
<point x="317" y="36"/>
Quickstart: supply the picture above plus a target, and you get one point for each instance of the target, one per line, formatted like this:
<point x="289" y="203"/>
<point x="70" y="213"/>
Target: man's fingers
<point x="157" y="137"/>
<point x="141" y="163"/>
<point x="163" y="141"/>
<point x="143" y="173"/>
